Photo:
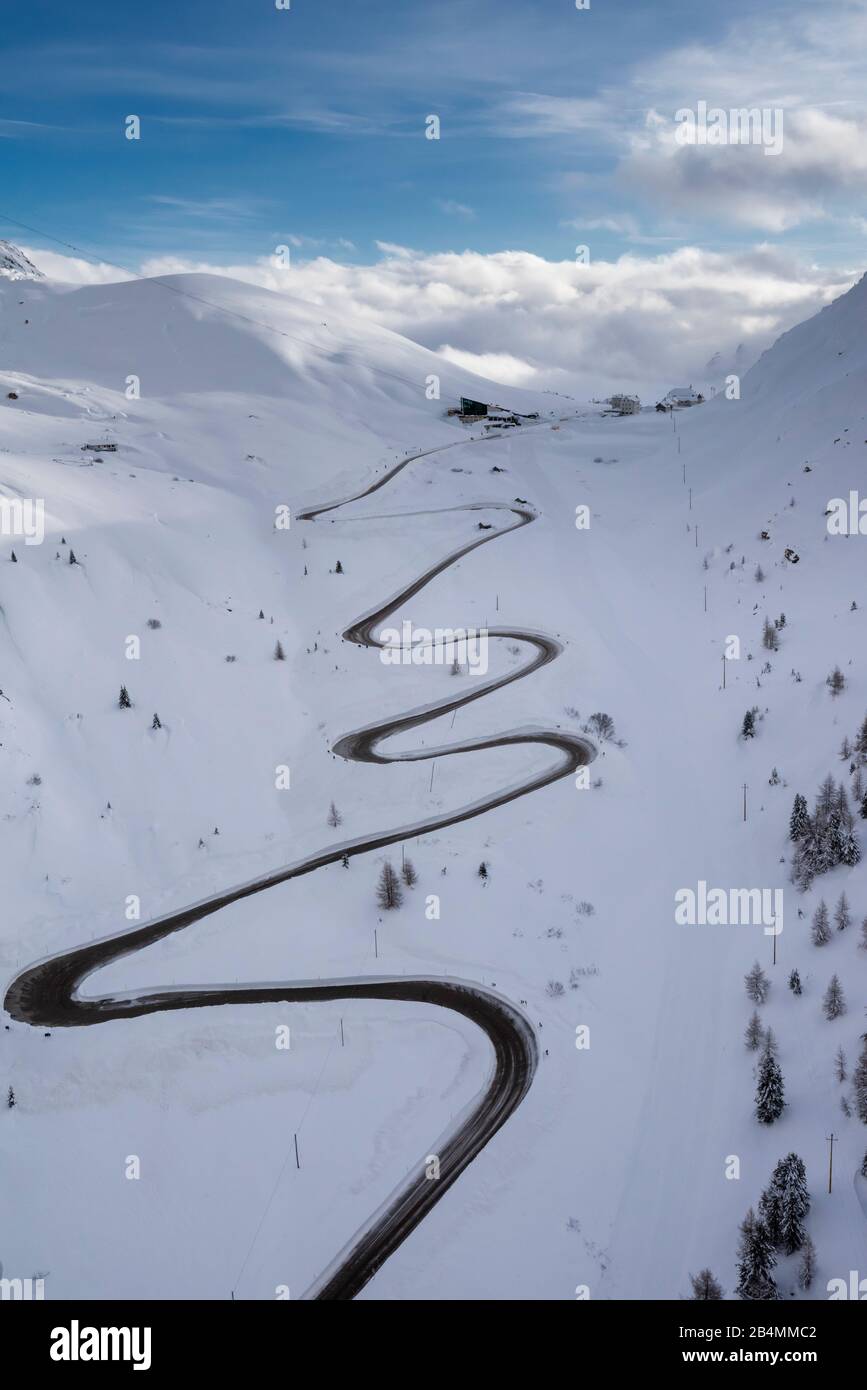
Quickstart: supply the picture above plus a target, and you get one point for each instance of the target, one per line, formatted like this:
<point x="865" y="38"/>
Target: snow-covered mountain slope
<point x="613" y="1173"/>
<point x="14" y="265"/>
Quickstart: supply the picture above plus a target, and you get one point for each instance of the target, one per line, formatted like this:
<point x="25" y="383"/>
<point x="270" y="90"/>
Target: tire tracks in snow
<point x="47" y="993"/>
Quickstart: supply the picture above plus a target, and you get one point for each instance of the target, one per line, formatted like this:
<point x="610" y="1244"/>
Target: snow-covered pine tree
<point x="845" y="750"/>
<point x="859" y="1083"/>
<point x="754" y="1033"/>
<point x="842" y="913"/>
<point x="834" y="1001"/>
<point x="72" y="559"/>
<point x="862" y="944"/>
<point x="156" y="722"/>
<point x="123" y="700"/>
<point x="338" y="568"/>
<point x="757" y="984"/>
<point x="807" y="1264"/>
<point x="388" y="893"/>
<point x="795" y="983"/>
<point x="770" y="1091"/>
<point x="840" y="1065"/>
<point x="799" y="821"/>
<point x="850" y="854"/>
<point x="334" y="817"/>
<point x="836" y="682"/>
<point x="756" y="1261"/>
<point x="748" y="728"/>
<point x="864" y="1165"/>
<point x="770" y="640"/>
<point x="705" y="1287"/>
<point x="408" y="873"/>
<point x="279" y="654"/>
<point x="771" y="1212"/>
<point x="483" y="872"/>
<point x="820" y="931"/>
<point x="861" y="742"/>
<point x="790" y="1183"/>
<point x="10" y="1099"/>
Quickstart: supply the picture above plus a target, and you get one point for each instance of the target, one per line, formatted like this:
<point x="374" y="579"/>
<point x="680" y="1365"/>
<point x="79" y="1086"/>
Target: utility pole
<point x="831" y="1137"/>
<point x="342" y="1039"/>
<point x="724" y="670"/>
<point x="690" y="496"/>
<point x="745" y="800"/>
<point x="696" y="536"/>
<point x="375" y="944"/>
<point x="297" y="1159"/>
<point x="433" y="769"/>
<point x="705" y="598"/>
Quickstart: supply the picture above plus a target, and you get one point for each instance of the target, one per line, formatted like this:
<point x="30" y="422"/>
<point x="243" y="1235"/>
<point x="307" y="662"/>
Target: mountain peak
<point x="14" y="265"/>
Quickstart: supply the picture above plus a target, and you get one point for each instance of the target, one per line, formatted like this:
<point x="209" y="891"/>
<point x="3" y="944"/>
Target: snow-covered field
<point x="612" y="1174"/>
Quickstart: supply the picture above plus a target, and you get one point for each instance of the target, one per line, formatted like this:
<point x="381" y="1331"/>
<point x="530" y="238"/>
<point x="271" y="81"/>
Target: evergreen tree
<point x="156" y="724"/>
<point x="850" y="854"/>
<point x="334" y="817"/>
<point x="789" y="1183"/>
<point x="834" y="1002"/>
<point x="279" y="654"/>
<point x="820" y="931"/>
<point x="770" y="640"/>
<point x="864" y="1165"/>
<point x="756" y="1261"/>
<point x="807" y="1264"/>
<point x="748" y="728"/>
<point x="408" y="873"/>
<point x="754" y="1033"/>
<point x="14" y="558"/>
<point x="862" y="809"/>
<point x="836" y="682"/>
<point x="845" y="750"/>
<point x="345" y="861"/>
<point x="795" y="983"/>
<point x="483" y="872"/>
<point x="389" y="893"/>
<point x="857" y="787"/>
<point x="10" y="1099"/>
<point x="124" y="702"/>
<point x="842" y="914"/>
<point x="757" y="984"/>
<point x="771" y="1213"/>
<point x="338" y="568"/>
<point x="859" y="1084"/>
<point x="72" y="559"/>
<point x="261" y="613"/>
<point x="799" y="820"/>
<point x="705" y="1287"/>
<point x="862" y="944"/>
<point x="861" y="742"/>
<point x="840" y="1065"/>
<point x="770" y="1093"/>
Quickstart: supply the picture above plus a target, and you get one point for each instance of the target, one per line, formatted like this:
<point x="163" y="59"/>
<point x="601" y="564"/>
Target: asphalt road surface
<point x="46" y="993"/>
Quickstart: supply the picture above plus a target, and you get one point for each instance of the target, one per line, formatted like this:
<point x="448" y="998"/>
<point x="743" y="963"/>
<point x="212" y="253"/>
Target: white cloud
<point x="499" y="366"/>
<point x="637" y="322"/>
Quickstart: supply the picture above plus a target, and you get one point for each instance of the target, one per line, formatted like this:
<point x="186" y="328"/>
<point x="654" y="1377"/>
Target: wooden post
<point x="342" y="1039"/>
<point x="297" y="1159"/>
<point x="831" y="1137"/>
<point x="745" y="800"/>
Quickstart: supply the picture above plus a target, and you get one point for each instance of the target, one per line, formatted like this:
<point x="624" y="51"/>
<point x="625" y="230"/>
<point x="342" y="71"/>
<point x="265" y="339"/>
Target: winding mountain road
<point x="46" y="994"/>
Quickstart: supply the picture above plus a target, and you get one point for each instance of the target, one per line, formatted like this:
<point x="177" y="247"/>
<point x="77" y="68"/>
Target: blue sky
<point x="259" y="123"/>
<point x="559" y="128"/>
